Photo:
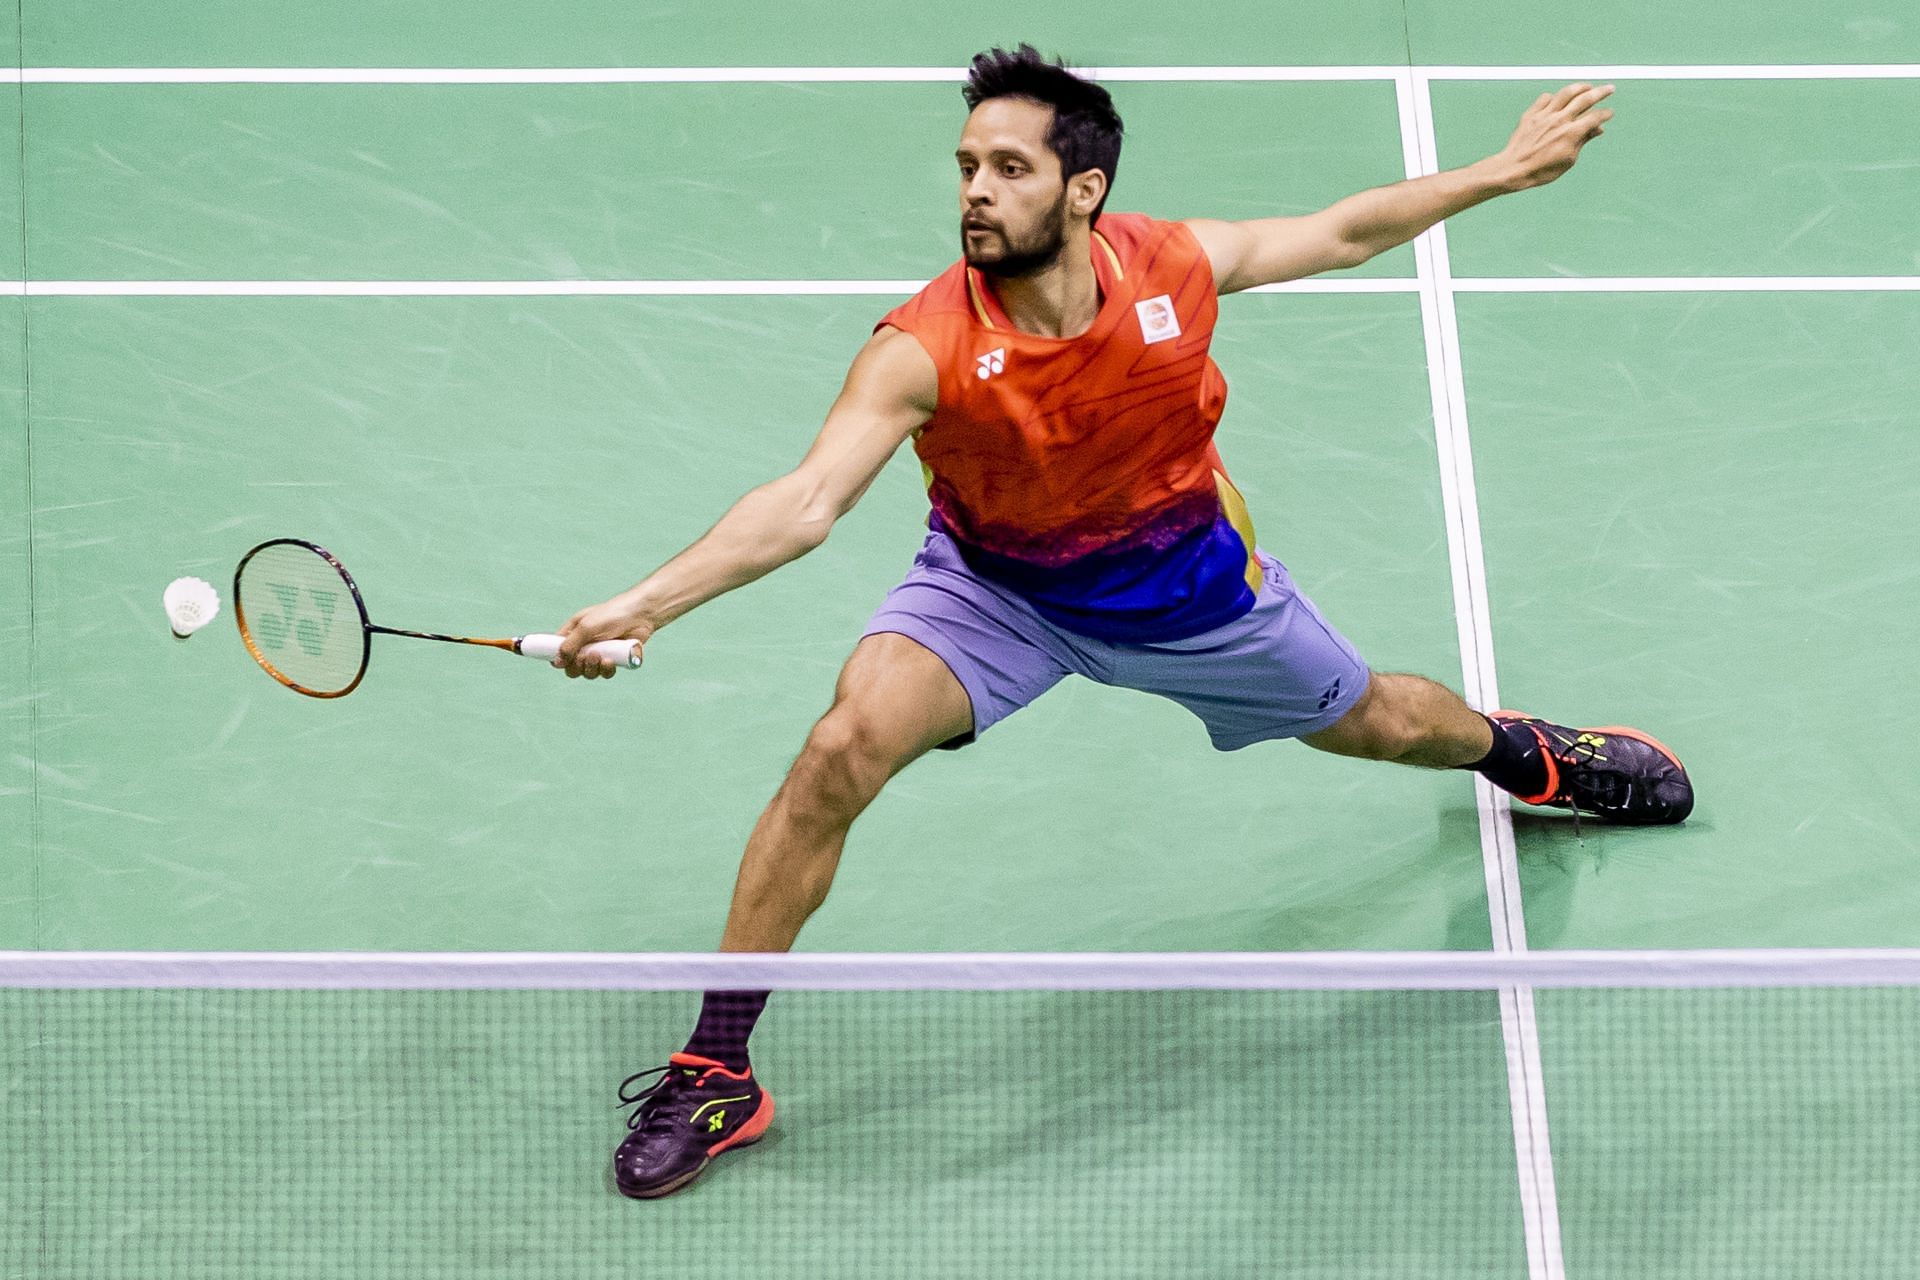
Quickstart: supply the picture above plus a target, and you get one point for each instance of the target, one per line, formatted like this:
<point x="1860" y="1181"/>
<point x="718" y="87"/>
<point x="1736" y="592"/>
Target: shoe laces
<point x="653" y="1106"/>
<point x="1582" y="758"/>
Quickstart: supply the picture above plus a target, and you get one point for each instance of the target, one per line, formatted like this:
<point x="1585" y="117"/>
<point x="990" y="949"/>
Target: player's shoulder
<point x="1138" y="235"/>
<point x="1137" y="229"/>
<point x="945" y="293"/>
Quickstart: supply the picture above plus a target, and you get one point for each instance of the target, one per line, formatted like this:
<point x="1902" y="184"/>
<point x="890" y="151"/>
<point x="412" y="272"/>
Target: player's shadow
<point x="1158" y="1102"/>
<point x="1556" y="858"/>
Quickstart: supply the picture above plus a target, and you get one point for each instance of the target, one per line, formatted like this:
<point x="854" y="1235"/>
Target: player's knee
<point x="842" y="766"/>
<point x="1395" y="728"/>
<point x="1383" y="725"/>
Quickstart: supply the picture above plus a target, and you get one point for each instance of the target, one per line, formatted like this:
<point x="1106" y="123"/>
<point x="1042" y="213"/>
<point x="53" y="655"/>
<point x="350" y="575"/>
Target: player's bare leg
<point x="895" y="701"/>
<point x="1410" y="720"/>
<point x="1612" y="772"/>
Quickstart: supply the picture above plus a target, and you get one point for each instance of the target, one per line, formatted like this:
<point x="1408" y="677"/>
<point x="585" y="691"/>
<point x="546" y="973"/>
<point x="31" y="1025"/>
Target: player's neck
<point x="1059" y="300"/>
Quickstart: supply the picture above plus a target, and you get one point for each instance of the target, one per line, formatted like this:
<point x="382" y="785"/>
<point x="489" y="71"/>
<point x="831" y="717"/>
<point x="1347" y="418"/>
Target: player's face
<point x="1013" y="197"/>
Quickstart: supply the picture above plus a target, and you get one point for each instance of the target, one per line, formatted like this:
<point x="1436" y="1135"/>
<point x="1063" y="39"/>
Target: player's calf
<point x="1407" y="719"/>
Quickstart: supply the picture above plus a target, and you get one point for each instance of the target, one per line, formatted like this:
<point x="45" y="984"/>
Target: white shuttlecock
<point x="191" y="605"/>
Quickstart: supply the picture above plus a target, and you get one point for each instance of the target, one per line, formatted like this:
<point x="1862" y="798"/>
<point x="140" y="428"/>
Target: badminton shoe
<point x="694" y="1111"/>
<point x="1615" y="773"/>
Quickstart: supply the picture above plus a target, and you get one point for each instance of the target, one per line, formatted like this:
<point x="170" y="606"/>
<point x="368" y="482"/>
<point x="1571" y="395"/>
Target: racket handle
<point x="621" y="653"/>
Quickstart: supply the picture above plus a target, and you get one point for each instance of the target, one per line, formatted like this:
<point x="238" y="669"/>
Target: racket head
<point x="291" y="602"/>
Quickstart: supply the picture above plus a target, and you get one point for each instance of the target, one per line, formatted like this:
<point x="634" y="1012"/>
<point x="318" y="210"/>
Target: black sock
<point x="726" y="1020"/>
<point x="1514" y="764"/>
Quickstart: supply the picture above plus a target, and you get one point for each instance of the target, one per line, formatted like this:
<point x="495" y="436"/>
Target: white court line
<point x="559" y="288"/>
<point x="910" y="75"/>
<point x="901" y="288"/>
<point x="1756" y="71"/>
<point x="1687" y="284"/>
<point x="1526" y="1086"/>
<point x="964" y="971"/>
<point x="456" y="288"/>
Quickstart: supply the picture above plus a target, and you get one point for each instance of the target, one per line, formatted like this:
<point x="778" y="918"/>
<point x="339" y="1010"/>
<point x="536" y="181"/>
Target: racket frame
<point x="353" y="588"/>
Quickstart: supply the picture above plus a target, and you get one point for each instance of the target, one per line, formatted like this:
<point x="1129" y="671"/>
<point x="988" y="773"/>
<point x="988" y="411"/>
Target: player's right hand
<point x="616" y="619"/>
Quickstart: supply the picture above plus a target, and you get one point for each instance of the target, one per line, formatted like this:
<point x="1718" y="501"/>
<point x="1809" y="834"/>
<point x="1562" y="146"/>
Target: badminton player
<point x="1056" y="386"/>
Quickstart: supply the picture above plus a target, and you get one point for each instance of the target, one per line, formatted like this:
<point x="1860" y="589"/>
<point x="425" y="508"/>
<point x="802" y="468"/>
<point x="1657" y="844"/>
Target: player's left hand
<point x="1551" y="133"/>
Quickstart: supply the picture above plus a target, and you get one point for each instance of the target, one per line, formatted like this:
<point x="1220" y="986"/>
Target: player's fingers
<point x="1587" y="100"/>
<point x="570" y="640"/>
<point x="1541" y="101"/>
<point x="567" y="657"/>
<point x="1569" y="93"/>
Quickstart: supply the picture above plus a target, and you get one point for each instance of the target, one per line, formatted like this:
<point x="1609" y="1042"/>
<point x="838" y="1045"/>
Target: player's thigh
<point x="896" y="700"/>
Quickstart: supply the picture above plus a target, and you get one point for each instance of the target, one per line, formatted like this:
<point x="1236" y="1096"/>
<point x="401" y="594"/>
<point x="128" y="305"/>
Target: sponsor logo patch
<point x="1157" y="321"/>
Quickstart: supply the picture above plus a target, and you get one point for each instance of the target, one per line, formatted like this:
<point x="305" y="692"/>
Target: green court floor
<point x="1696" y="510"/>
<point x="472" y="828"/>
<point x="1703" y="532"/>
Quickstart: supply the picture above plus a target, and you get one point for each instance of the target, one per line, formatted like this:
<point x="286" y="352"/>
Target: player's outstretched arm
<point x="891" y="390"/>
<point x="1270" y="250"/>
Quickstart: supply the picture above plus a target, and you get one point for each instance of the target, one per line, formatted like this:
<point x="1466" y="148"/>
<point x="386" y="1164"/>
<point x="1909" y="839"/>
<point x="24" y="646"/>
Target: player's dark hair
<point x="1086" y="130"/>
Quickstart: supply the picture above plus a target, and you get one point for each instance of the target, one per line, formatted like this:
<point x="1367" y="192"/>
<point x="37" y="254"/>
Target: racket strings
<point x="299" y="617"/>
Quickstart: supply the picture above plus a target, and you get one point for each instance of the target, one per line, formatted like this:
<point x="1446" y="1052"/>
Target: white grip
<point x="621" y="653"/>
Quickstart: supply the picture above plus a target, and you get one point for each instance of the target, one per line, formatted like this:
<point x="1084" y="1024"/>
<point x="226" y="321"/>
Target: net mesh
<point x="299" y="617"/>
<point x="1755" y="1132"/>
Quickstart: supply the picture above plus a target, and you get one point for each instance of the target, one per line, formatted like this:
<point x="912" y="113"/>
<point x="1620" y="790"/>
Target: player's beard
<point x="1028" y="254"/>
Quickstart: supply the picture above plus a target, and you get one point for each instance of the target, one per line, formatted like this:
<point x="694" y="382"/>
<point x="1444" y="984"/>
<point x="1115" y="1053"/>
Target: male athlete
<point x="1056" y="386"/>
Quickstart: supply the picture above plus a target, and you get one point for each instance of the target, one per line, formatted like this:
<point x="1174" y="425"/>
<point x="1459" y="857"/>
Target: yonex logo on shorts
<point x="991" y="363"/>
<point x="1157" y="321"/>
<point x="1331" y="696"/>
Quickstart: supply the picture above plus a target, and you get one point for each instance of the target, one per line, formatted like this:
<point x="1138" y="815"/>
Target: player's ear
<point x="1085" y="191"/>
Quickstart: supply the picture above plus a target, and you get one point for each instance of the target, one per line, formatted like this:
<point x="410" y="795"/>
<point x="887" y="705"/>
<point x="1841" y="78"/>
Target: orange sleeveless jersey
<point x="1081" y="472"/>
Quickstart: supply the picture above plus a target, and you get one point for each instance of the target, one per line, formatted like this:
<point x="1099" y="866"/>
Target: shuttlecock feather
<point x="191" y="605"/>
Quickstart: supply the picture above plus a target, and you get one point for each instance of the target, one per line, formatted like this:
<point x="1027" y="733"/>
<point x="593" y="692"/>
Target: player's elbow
<point x="812" y="510"/>
<point x="1346" y="253"/>
<point x="813" y="526"/>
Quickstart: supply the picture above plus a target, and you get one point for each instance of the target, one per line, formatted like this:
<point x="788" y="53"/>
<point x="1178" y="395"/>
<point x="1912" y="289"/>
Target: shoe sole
<point x="751" y="1132"/>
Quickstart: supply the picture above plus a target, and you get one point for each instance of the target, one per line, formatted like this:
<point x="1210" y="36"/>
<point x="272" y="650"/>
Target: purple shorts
<point x="1279" y="671"/>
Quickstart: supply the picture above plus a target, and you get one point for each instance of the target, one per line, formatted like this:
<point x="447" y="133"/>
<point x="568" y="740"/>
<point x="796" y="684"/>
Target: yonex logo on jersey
<point x="991" y="363"/>
<point x="1157" y="321"/>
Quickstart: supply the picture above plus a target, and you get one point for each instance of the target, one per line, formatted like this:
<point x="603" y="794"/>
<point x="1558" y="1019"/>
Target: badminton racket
<point x="303" y="620"/>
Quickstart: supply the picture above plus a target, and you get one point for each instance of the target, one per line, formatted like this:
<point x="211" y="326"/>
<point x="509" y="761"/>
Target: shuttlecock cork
<point x="191" y="605"/>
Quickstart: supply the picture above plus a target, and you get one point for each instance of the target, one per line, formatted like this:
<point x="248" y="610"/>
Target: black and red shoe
<point x="693" y="1112"/>
<point x="1615" y="773"/>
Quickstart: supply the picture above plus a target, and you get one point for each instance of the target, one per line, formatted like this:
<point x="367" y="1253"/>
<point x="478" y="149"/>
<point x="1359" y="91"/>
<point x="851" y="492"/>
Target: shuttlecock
<point x="191" y="605"/>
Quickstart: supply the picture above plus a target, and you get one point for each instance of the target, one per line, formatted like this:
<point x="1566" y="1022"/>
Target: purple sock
<point x="726" y="1020"/>
<point x="1514" y="762"/>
